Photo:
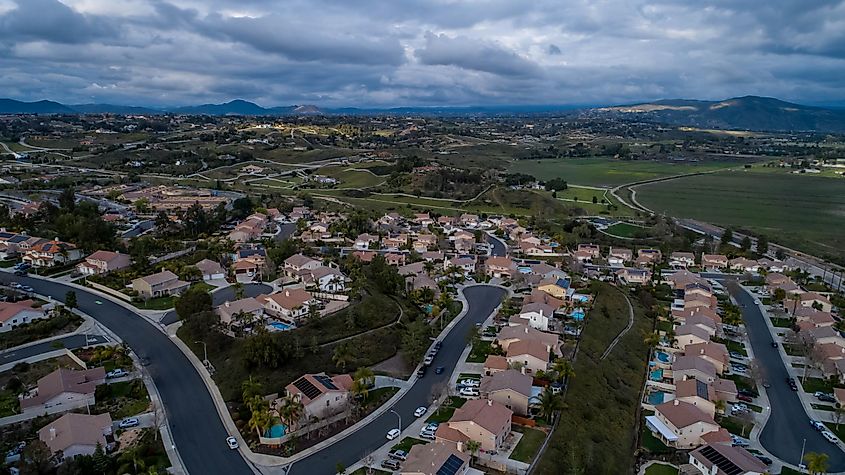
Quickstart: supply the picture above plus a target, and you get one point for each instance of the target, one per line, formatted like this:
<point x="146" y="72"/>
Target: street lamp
<point x="400" y="420"/>
<point x="801" y="460"/>
<point x="204" y="352"/>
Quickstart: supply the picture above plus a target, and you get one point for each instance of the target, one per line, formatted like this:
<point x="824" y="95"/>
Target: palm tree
<point x="291" y="411"/>
<point x="361" y="381"/>
<point x="652" y="339"/>
<point x="816" y="463"/>
<point x="250" y="388"/>
<point x="563" y="369"/>
<point x="260" y="420"/>
<point x="342" y="355"/>
<point x="473" y="446"/>
<point x="549" y="404"/>
<point x="720" y="406"/>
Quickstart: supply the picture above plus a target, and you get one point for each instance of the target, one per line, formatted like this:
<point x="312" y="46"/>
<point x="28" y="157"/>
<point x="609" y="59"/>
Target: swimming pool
<point x="657" y="397"/>
<point x="279" y="326"/>
<point x="663" y="357"/>
<point x="277" y="430"/>
<point x="656" y="375"/>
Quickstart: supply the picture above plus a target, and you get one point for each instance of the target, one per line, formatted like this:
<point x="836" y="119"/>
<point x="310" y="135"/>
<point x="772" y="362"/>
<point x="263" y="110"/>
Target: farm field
<point x="605" y="172"/>
<point x="800" y="211"/>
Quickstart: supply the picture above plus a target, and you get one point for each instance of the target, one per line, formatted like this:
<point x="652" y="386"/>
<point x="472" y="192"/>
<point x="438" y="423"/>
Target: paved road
<point x="71" y="342"/>
<point x="285" y="231"/>
<point x="788" y="425"/>
<point x="196" y="427"/>
<point x="498" y="248"/>
<point x="482" y="300"/>
<point x="221" y="296"/>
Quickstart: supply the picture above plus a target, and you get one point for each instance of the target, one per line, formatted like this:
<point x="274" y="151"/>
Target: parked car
<point x="420" y="411"/>
<point x="469" y="392"/>
<point x="20" y="272"/>
<point x="390" y="464"/>
<point x="438" y="370"/>
<point x="736" y="355"/>
<point x="774" y="344"/>
<point x="421" y="372"/>
<point x="27" y="288"/>
<point x="232" y="442"/>
<point x="117" y="373"/>
<point x="827" y="398"/>
<point x="817" y="425"/>
<point x="764" y="459"/>
<point x="748" y="392"/>
<point x="398" y="454"/>
<point x="428" y="435"/>
<point x="738" y="441"/>
<point x="472" y="383"/>
<point x="127" y="423"/>
<point x="830" y="437"/>
<point x="743" y="397"/>
<point x="393" y="433"/>
<point x="438" y="344"/>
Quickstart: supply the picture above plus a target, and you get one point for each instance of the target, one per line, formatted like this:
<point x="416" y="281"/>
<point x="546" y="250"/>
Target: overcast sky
<point x="420" y="52"/>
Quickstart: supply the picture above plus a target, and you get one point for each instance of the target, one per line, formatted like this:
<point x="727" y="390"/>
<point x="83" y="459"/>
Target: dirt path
<point x="625" y="330"/>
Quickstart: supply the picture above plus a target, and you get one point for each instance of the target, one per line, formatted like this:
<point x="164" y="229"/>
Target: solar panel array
<point x="720" y="461"/>
<point x="451" y="466"/>
<point x="309" y="390"/>
<point x="325" y="381"/>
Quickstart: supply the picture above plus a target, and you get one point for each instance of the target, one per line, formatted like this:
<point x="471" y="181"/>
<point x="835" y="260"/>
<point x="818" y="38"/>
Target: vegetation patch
<point x="528" y="445"/>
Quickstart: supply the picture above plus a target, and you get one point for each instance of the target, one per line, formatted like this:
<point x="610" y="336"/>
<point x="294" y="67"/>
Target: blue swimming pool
<point x="277" y="430"/>
<point x="279" y="326"/>
<point x="657" y="397"/>
<point x="663" y="357"/>
<point x="656" y="375"/>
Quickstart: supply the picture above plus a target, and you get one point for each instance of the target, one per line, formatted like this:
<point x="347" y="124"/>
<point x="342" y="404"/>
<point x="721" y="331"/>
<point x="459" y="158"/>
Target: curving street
<point x="194" y="423"/>
<point x="482" y="300"/>
<point x="788" y="424"/>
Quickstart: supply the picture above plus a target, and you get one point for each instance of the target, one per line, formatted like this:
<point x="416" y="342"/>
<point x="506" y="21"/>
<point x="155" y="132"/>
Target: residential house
<point x="535" y="315"/>
<point x="326" y="279"/>
<point x="464" y="245"/>
<point x="436" y="458"/>
<point x="513" y="333"/>
<point x="364" y="256"/>
<point x="690" y="335"/>
<point x="698" y="393"/>
<point x="743" y="264"/>
<point x="725" y="459"/>
<point x="630" y="276"/>
<point x="233" y="313"/>
<point x="424" y="242"/>
<point x="680" y="425"/>
<point x="812" y="318"/>
<point x="298" y="262"/>
<point x="618" y="256"/>
<point x="593" y="249"/>
<point x="725" y="389"/>
<point x="103" y="262"/>
<point x="423" y="219"/>
<point x="396" y="242"/>
<point x="366" y="241"/>
<point x="77" y="434"/>
<point x="682" y="259"/>
<point x="63" y="390"/>
<point x="210" y="270"/>
<point x="511" y="388"/>
<point x="501" y="267"/>
<point x="703" y="322"/>
<point x="395" y="259"/>
<point x="693" y="367"/>
<point x="288" y="304"/>
<point x="13" y="314"/>
<point x="715" y="353"/>
<point x="649" y="256"/>
<point x="681" y="315"/>
<point x="556" y="287"/>
<point x="465" y="264"/>
<point x="494" y="364"/>
<point x="161" y="284"/>
<point x="322" y="396"/>
<point x="52" y="253"/>
<point x="246" y="270"/>
<point x="815" y="300"/>
<point x="531" y="355"/>
<point x="484" y="421"/>
<point x="682" y="278"/>
<point x="469" y="220"/>
<point x="714" y="261"/>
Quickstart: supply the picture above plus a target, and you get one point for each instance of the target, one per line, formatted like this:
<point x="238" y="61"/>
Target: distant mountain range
<point x="746" y="113"/>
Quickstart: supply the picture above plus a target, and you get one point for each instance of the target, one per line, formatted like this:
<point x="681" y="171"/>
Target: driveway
<point x="196" y="427"/>
<point x="482" y="300"/>
<point x="788" y="425"/>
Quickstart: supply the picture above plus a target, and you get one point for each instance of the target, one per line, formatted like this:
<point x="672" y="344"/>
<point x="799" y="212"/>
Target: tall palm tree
<point x="720" y="405"/>
<point x="291" y="411"/>
<point x="250" y="388"/>
<point x="816" y="463"/>
<point x="260" y="420"/>
<point x="473" y="446"/>
<point x="361" y="381"/>
<point x="563" y="369"/>
<point x="549" y="404"/>
<point x="341" y="356"/>
<point x="652" y="339"/>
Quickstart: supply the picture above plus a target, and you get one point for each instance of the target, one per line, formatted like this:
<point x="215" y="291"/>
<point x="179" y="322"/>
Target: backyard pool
<point x="662" y="356"/>
<point x="276" y="431"/>
<point x="279" y="326"/>
<point x="656" y="375"/>
<point x="657" y="397"/>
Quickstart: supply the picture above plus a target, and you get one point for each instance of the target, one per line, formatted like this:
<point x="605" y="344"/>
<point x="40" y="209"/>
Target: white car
<point x="392" y="434"/>
<point x="127" y="423"/>
<point x="420" y="411"/>
<point x="232" y="442"/>
<point x="117" y="373"/>
<point x="756" y="302"/>
<point x="469" y="392"/>
<point x="830" y="437"/>
<point x="469" y="382"/>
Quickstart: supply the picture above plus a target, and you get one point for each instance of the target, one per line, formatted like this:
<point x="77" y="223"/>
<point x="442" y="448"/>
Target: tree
<point x="727" y="236"/>
<point x="260" y="420"/>
<point x="291" y="411"/>
<point x="745" y="244"/>
<point x="70" y="299"/>
<point x="193" y="301"/>
<point x="762" y="244"/>
<point x="652" y="339"/>
<point x="415" y="341"/>
<point x="779" y="295"/>
<point x="250" y="388"/>
<point x="36" y="458"/>
<point x="473" y="446"/>
<point x="342" y="356"/>
<point x="102" y="462"/>
<point x="816" y="462"/>
<point x="549" y="404"/>
<point x="563" y="369"/>
<point x="720" y="406"/>
<point x="362" y="380"/>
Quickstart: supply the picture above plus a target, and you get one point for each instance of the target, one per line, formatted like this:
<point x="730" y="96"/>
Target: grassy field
<point x="606" y="172"/>
<point x="351" y="177"/>
<point x="597" y="430"/>
<point x="799" y="211"/>
<point x="661" y="469"/>
<point x="528" y="446"/>
<point x="626" y="230"/>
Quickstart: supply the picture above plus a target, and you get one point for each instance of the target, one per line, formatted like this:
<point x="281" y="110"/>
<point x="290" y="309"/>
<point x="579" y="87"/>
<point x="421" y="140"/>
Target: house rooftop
<point x="76" y="429"/>
<point x="435" y="458"/>
<point x="508" y="379"/>
<point x="490" y="415"/>
<point x="728" y="460"/>
<point x="682" y="414"/>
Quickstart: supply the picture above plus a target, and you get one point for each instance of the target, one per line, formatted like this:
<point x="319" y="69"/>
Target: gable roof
<point x="290" y="298"/>
<point x="65" y="380"/>
<point x="434" y="459"/>
<point x="683" y="414"/>
<point x="729" y="460"/>
<point x="159" y="278"/>
<point x="508" y="379"/>
<point x="490" y="415"/>
<point x="534" y="348"/>
<point x="9" y="310"/>
<point x="76" y="429"/>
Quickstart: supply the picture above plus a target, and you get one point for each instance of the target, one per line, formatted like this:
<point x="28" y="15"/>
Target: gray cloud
<point x="432" y="52"/>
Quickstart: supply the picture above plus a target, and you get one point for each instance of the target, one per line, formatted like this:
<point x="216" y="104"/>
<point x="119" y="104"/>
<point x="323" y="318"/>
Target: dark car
<point x="764" y="459"/>
<point x="748" y="392"/>
<point x="391" y="464"/>
<point x="421" y="371"/>
<point x="827" y="398"/>
<point x="744" y="398"/>
<point x="774" y="344"/>
<point x="20" y="272"/>
<point x="438" y="370"/>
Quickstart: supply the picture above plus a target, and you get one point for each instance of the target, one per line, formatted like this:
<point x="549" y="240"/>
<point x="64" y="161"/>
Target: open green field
<point x="606" y="172"/>
<point x="799" y="211"/>
<point x="351" y="177"/>
<point x="597" y="430"/>
<point x="626" y="230"/>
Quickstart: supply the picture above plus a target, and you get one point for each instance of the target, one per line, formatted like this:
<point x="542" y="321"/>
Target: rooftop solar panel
<point x="326" y="381"/>
<point x="720" y="461"/>
<point x="450" y="466"/>
<point x="309" y="390"/>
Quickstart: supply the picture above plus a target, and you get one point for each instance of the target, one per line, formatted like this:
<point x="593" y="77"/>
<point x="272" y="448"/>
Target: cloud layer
<point x="420" y="52"/>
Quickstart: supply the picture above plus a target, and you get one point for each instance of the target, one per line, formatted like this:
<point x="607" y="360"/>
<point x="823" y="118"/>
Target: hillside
<point x="746" y="113"/>
<point x="11" y="106"/>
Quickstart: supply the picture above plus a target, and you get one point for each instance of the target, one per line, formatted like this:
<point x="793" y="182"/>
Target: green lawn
<point x="742" y="382"/>
<point x="596" y="433"/>
<point x="811" y="385"/>
<point x="480" y="350"/>
<point x="39" y="329"/>
<point x="652" y="443"/>
<point x="527" y="448"/>
<point x="607" y="172"/>
<point x="9" y="403"/>
<point x="781" y="322"/>
<point x="158" y="303"/>
<point x="626" y="230"/>
<point x="8" y="263"/>
<point x="661" y="469"/>
<point x="407" y="443"/>
<point x="736" y="426"/>
<point x="799" y="211"/>
<point x="123" y="399"/>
